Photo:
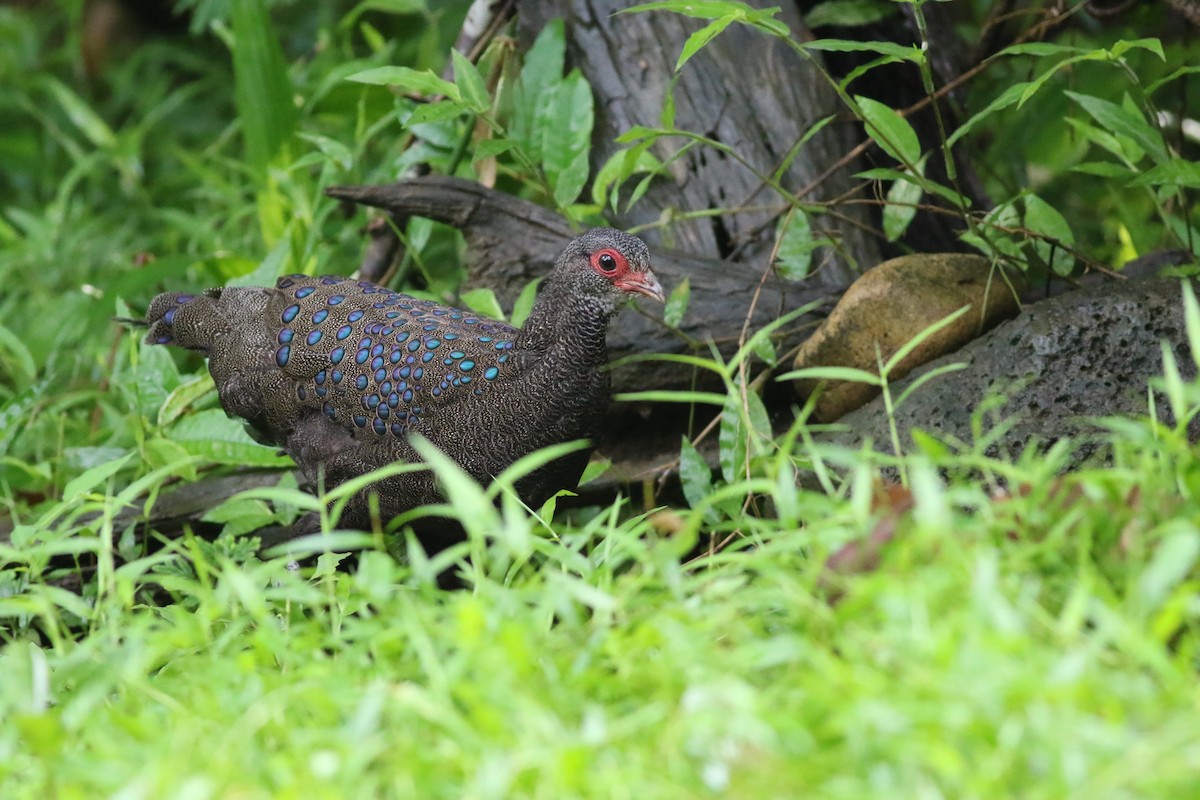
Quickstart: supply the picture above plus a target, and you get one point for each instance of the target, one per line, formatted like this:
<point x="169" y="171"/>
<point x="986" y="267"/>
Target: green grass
<point x="1036" y="642"/>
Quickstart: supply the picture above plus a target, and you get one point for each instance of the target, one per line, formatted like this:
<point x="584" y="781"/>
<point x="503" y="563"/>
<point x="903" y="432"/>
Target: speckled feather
<point x="340" y="372"/>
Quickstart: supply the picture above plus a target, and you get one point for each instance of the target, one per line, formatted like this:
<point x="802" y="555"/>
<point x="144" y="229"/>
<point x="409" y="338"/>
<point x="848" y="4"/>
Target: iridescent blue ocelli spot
<point x="336" y="299"/>
<point x="319" y="378"/>
<point x="290" y="313"/>
<point x="286" y="335"/>
<point x="360" y="420"/>
<point x="467" y="365"/>
<point x="387" y="330"/>
<point x="439" y="312"/>
<point x="301" y="393"/>
<point x="322" y="391"/>
<point x="470" y="321"/>
<point x="430" y="327"/>
<point x="392" y="314"/>
<point x="414" y="345"/>
<point x="397" y="429"/>
<point x="445" y="384"/>
<point x="330" y="280"/>
<point x="361" y="356"/>
<point x="284" y="283"/>
<point x="447" y="361"/>
<point x="305" y="292"/>
<point x="427" y="357"/>
<point x="502" y="358"/>
<point x="500" y="345"/>
<point x="337" y="355"/>
<point x="282" y="355"/>
<point x="365" y="342"/>
<point x="395" y="356"/>
<point x="328" y="410"/>
<point x="401" y="336"/>
<point x="450" y="337"/>
<point x="320" y="316"/>
<point x="385" y="386"/>
<point x="377" y="362"/>
<point x="361" y="382"/>
<point x="379" y="425"/>
<point x="169" y="317"/>
<point x="377" y="349"/>
<point x="432" y="344"/>
<point x="465" y="379"/>
<point x="394" y="399"/>
<point x="355" y="315"/>
<point x="408" y="396"/>
<point x="419" y="373"/>
<point x="405" y="372"/>
<point x="313" y="338"/>
<point x="343" y="332"/>
<point x="457" y="354"/>
<point x="380" y="375"/>
<point x="383" y="411"/>
<point x="336" y="376"/>
<point x="485" y="339"/>
<point x="490" y="373"/>
<point x="479" y="391"/>
<point x="372" y="400"/>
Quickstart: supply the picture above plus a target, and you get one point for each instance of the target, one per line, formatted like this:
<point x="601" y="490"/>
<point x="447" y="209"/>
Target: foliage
<point x="1023" y="634"/>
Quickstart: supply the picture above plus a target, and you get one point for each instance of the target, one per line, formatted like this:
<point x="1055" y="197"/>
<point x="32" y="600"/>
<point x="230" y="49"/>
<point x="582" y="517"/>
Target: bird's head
<point x="610" y="265"/>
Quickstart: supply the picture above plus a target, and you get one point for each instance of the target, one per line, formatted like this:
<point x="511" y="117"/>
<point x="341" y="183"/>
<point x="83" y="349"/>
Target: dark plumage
<point x="339" y="372"/>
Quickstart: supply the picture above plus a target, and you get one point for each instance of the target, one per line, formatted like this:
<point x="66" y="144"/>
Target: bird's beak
<point x="643" y="283"/>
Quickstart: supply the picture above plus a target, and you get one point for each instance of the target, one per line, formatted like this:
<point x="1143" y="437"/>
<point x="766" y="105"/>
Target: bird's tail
<point x="187" y="320"/>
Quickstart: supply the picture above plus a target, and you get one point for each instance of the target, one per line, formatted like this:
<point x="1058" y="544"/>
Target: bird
<point x="340" y="374"/>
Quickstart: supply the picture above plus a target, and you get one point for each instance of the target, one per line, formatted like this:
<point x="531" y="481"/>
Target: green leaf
<point x="1043" y="218"/>
<point x="1010" y="96"/>
<point x="1123" y="122"/>
<point x="695" y="476"/>
<point x="890" y="131"/>
<point x="483" y="302"/>
<point x="15" y="360"/>
<point x="81" y="115"/>
<point x="677" y="303"/>
<point x="93" y="477"/>
<point x="567" y="137"/>
<point x="331" y="148"/>
<point x="1173" y="172"/>
<point x="832" y="373"/>
<point x="470" y="83"/>
<point x="269" y="269"/>
<point x="697" y="9"/>
<point x="701" y="38"/>
<point x="241" y="454"/>
<point x="524" y="303"/>
<point x="793" y="259"/>
<point x="897" y="51"/>
<point x="262" y="89"/>
<point x="434" y="112"/>
<point x="422" y="82"/>
<point x="182" y="396"/>
<point x="541" y="72"/>
<point x="901" y="208"/>
<point x="1102" y="169"/>
<point x="743" y="430"/>
<point x="490" y="148"/>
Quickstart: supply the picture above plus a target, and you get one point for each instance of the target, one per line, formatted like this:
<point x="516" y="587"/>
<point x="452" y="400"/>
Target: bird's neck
<point x="562" y="322"/>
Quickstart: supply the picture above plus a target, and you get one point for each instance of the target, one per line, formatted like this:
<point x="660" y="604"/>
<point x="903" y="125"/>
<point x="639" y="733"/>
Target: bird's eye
<point x="609" y="262"/>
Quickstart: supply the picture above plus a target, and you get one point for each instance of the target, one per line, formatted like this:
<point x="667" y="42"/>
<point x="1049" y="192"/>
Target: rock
<point x="891" y="304"/>
<point x="1083" y="354"/>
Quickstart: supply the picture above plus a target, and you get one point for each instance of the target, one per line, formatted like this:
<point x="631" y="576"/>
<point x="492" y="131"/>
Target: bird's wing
<point x="375" y="360"/>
